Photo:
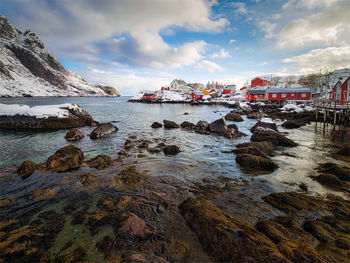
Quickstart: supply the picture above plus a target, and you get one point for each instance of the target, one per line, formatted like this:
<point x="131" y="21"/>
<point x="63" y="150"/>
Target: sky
<point x="137" y="45"/>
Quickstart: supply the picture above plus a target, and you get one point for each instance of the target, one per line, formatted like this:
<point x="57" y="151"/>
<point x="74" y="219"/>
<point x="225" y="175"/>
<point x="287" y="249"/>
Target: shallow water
<point x="201" y="157"/>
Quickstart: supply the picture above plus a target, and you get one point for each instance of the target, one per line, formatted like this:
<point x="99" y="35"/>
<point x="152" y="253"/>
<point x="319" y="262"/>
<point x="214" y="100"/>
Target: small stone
<point x="156" y="125"/>
<point x="171" y="150"/>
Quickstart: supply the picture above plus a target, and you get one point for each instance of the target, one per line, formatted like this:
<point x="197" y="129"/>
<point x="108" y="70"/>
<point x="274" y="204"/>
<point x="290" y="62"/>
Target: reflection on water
<point x="201" y="157"/>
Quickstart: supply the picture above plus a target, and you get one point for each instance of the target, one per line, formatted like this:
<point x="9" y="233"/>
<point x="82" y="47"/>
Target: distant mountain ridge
<point x="28" y="69"/>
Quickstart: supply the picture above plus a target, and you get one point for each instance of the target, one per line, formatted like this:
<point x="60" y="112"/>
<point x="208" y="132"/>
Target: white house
<point x="178" y="85"/>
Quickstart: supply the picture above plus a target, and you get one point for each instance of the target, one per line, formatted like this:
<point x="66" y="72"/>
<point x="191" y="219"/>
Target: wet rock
<point x="143" y="144"/>
<point x="76" y="255"/>
<point x="219" y="126"/>
<point x="65" y="159"/>
<point x="154" y="150"/>
<point x="186" y="113"/>
<point x="329" y="180"/>
<point x="203" y="125"/>
<point x="170" y="124"/>
<point x="74" y="135"/>
<point x="133" y="226"/>
<point x="250" y="150"/>
<point x="171" y="150"/>
<point x="303" y="187"/>
<point x="274" y="231"/>
<point x="264" y="146"/>
<point x="232" y="134"/>
<point x="100" y="162"/>
<point x="274" y="137"/>
<point x="344" y="151"/>
<point x="256" y="162"/>
<point x="187" y="125"/>
<point x="299" y="252"/>
<point x="343" y="173"/>
<point x="255" y="115"/>
<point x="342" y="243"/>
<point x="319" y="230"/>
<point x="129" y="144"/>
<point x="156" y="125"/>
<point x="78" y="217"/>
<point x="232" y="126"/>
<point x="132" y="137"/>
<point x="131" y="177"/>
<point x="54" y="223"/>
<point x="122" y="152"/>
<point x="87" y="179"/>
<point x="265" y="124"/>
<point x="291" y="124"/>
<point x="27" y="168"/>
<point x="225" y="238"/>
<point x="179" y="251"/>
<point x="144" y="258"/>
<point x="103" y="130"/>
<point x="105" y="245"/>
<point x="233" y="117"/>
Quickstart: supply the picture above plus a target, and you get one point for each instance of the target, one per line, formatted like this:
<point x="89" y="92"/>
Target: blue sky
<point x="138" y="44"/>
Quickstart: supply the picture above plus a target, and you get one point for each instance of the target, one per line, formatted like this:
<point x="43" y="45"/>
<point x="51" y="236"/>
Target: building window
<point x="274" y="95"/>
<point x="303" y="95"/>
<point x="284" y="95"/>
<point x="292" y="94"/>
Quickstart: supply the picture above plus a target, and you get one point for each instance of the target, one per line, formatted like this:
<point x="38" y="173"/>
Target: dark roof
<point x="257" y="92"/>
<point x="148" y="94"/>
<point x="288" y="90"/>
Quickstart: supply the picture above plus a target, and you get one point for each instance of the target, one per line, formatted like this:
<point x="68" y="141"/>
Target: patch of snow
<point x="267" y="120"/>
<point x="58" y="111"/>
<point x="289" y="107"/>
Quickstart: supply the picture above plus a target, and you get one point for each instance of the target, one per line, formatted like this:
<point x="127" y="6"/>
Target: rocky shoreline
<point x="153" y="218"/>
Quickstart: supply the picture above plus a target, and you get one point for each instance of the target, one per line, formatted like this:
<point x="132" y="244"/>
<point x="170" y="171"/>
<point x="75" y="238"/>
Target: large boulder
<point x="74" y="134"/>
<point x="274" y="137"/>
<point x="250" y="150"/>
<point x="264" y="146"/>
<point x="100" y="162"/>
<point x="170" y="124"/>
<point x="255" y="115"/>
<point x="291" y="124"/>
<point x="219" y="126"/>
<point x="188" y="125"/>
<point x="171" y="150"/>
<point x="156" y="125"/>
<point x="232" y="116"/>
<point x="265" y="124"/>
<point x="65" y="159"/>
<point x="102" y="130"/>
<point x="255" y="162"/>
<point x="202" y="125"/>
<point x="227" y="239"/>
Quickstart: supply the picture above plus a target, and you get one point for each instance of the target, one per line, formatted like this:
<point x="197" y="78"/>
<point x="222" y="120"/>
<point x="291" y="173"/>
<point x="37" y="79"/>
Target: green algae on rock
<point x="254" y="162"/>
<point x="100" y="162"/>
<point x="65" y="159"/>
<point x="27" y="168"/>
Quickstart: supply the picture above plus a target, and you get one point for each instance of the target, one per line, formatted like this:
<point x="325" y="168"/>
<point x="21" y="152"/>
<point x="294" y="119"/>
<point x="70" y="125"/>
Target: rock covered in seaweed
<point x="254" y="162"/>
<point x="156" y="125"/>
<point x="276" y="138"/>
<point x="170" y="124"/>
<point x="65" y="159"/>
<point x="100" y="162"/>
<point x="232" y="116"/>
<point x="219" y="126"/>
<point x="27" y="168"/>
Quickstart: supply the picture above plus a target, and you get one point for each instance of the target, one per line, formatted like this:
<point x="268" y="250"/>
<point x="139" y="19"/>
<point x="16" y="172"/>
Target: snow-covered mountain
<point x="28" y="69"/>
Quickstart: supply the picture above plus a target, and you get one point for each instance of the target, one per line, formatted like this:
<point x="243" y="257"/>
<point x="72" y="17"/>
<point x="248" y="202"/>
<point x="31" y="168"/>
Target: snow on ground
<point x="59" y="111"/>
<point x="289" y="107"/>
<point x="167" y="95"/>
<point x="267" y="120"/>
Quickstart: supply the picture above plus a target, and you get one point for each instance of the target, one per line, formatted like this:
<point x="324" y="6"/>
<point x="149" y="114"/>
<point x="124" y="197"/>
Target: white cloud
<point x="232" y="41"/>
<point x="268" y="28"/>
<point x="240" y="8"/>
<point x="330" y="57"/>
<point x="221" y="54"/>
<point x="207" y="65"/>
<point x="309" y="4"/>
<point x="68" y="25"/>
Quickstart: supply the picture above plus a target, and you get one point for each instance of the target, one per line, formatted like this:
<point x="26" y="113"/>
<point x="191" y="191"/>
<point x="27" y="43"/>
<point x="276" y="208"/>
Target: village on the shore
<point x="330" y="86"/>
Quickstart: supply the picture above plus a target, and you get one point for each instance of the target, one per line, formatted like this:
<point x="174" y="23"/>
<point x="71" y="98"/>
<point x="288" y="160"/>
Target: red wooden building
<point x="149" y="96"/>
<point x="197" y="95"/>
<point x="165" y="88"/>
<point x="259" y="82"/>
<point x="341" y="91"/>
<point x="288" y="94"/>
<point x="255" y="95"/>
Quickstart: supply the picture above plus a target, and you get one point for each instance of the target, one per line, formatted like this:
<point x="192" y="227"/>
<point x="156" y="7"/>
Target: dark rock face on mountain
<point x="28" y="69"/>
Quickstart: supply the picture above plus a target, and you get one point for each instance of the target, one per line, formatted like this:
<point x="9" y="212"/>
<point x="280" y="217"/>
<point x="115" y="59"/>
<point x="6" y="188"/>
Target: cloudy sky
<point x="144" y="44"/>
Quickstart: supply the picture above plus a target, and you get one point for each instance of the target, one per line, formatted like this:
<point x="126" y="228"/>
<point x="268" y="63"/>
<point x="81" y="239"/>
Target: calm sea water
<point x="201" y="158"/>
<point x="201" y="155"/>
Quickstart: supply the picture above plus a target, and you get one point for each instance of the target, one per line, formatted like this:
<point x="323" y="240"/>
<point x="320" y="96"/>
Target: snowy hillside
<point x="28" y="69"/>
